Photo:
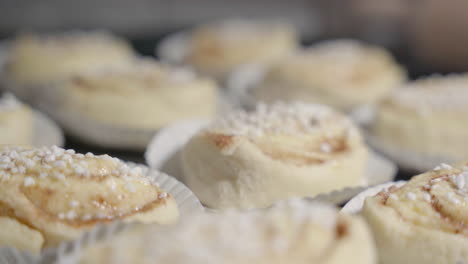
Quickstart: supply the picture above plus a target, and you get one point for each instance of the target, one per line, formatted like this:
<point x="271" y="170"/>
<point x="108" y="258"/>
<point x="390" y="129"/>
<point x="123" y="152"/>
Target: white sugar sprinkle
<point x="427" y="197"/>
<point x="74" y="203"/>
<point x="112" y="185"/>
<point x="446" y="166"/>
<point x="393" y="196"/>
<point x="452" y="198"/>
<point x="436" y="180"/>
<point x="325" y="147"/>
<point x="60" y="164"/>
<point x="162" y="195"/>
<point x="29" y="163"/>
<point x="411" y="196"/>
<point x="460" y="181"/>
<point x="50" y="158"/>
<point x="70" y="151"/>
<point x="79" y="170"/>
<point x="28" y="181"/>
<point x="59" y="176"/>
<point x="130" y="187"/>
<point x="278" y="118"/>
<point x="71" y="215"/>
<point x="21" y="169"/>
<point x="86" y="217"/>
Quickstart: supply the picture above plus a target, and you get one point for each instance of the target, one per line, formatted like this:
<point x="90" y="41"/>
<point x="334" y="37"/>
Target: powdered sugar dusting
<point x="145" y="72"/>
<point x="460" y="181"/>
<point x="32" y="167"/>
<point x="280" y="119"/>
<point x="57" y="162"/>
<point x="436" y="92"/>
<point x="235" y="234"/>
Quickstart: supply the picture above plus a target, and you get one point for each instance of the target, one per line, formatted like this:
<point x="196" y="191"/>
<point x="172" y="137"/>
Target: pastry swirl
<point x="425" y="220"/>
<point x="291" y="232"/>
<point x="217" y="49"/>
<point x="340" y="73"/>
<point x="57" y="194"/>
<point x="37" y="59"/>
<point x="428" y="116"/>
<point x="141" y="95"/>
<point x="16" y="121"/>
<point x="252" y="159"/>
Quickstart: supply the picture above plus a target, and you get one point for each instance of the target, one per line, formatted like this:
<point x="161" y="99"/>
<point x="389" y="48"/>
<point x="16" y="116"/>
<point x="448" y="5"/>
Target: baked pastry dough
<point x="48" y="195"/>
<point x="293" y="232"/>
<point x="142" y="95"/>
<point x="38" y="59"/>
<point x="429" y="116"/>
<point x="217" y="49"/>
<point x="425" y="220"/>
<point x="340" y="73"/>
<point x="253" y="159"/>
<point x="16" y="122"/>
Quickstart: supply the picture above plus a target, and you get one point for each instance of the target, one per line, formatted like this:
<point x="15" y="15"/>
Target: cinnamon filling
<point x="459" y="227"/>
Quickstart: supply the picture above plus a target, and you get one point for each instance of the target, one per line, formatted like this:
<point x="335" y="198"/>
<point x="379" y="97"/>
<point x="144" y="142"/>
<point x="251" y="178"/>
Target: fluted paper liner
<point x="163" y="154"/>
<point x="355" y="205"/>
<point x="406" y="159"/>
<point x="241" y="82"/>
<point x="68" y="252"/>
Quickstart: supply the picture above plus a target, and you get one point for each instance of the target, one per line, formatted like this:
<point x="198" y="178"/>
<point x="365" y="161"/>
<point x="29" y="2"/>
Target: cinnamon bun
<point x="294" y="232"/>
<point x="217" y="49"/>
<point x="48" y="195"/>
<point x="253" y="159"/>
<point x="340" y="73"/>
<point x="427" y="116"/>
<point x="425" y="220"/>
<point x="141" y="95"/>
<point x="37" y="59"/>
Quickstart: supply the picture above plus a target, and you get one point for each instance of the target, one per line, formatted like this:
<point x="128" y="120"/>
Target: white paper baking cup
<point x="406" y="159"/>
<point x="164" y="149"/>
<point x="242" y="81"/>
<point x="355" y="205"/>
<point x="68" y="252"/>
<point x="13" y="256"/>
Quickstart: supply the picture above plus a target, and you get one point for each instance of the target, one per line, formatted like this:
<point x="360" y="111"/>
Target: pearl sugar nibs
<point x="278" y="118"/>
<point x="57" y="163"/>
